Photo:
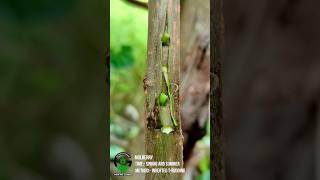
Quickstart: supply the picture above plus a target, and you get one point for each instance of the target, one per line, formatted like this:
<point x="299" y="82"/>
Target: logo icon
<point x="123" y="162"/>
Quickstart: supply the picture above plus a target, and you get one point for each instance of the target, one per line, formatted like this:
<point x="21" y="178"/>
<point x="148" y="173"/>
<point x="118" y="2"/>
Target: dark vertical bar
<point x="108" y="89"/>
<point x="216" y="108"/>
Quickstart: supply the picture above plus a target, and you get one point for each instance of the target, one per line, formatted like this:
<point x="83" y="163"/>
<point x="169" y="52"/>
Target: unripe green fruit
<point x="165" y="39"/>
<point x="163" y="98"/>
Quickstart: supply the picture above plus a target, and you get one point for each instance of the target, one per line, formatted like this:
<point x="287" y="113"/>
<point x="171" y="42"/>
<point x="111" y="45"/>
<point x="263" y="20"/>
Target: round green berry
<point x="165" y="39"/>
<point x="163" y="98"/>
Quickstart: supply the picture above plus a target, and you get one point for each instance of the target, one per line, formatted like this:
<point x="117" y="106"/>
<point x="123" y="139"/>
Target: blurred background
<point x="271" y="89"/>
<point x="52" y="90"/>
<point x="128" y="50"/>
<point x="128" y="53"/>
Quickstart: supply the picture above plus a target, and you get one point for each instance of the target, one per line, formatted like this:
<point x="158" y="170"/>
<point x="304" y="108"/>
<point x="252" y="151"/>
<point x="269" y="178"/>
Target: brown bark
<point x="164" y="16"/>
<point x="217" y="134"/>
<point x="195" y="73"/>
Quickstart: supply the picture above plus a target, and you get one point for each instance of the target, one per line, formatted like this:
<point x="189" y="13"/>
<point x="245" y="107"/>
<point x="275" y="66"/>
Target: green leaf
<point x="123" y="58"/>
<point x="163" y="98"/>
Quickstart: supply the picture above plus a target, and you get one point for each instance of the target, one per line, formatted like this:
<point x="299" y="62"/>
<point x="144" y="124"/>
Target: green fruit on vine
<point x="163" y="99"/>
<point x="165" y="39"/>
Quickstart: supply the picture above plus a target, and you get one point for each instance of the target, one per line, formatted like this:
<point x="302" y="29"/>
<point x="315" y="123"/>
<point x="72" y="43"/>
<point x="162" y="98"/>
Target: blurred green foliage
<point x="52" y="77"/>
<point x="204" y="176"/>
<point x="123" y="58"/>
<point x="204" y="164"/>
<point x="33" y="10"/>
<point x="128" y="42"/>
<point x="128" y="49"/>
<point x="114" y="150"/>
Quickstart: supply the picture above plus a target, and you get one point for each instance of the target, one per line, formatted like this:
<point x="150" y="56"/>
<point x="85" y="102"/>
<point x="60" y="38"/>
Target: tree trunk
<point x="164" y="17"/>
<point x="195" y="72"/>
<point x="217" y="143"/>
